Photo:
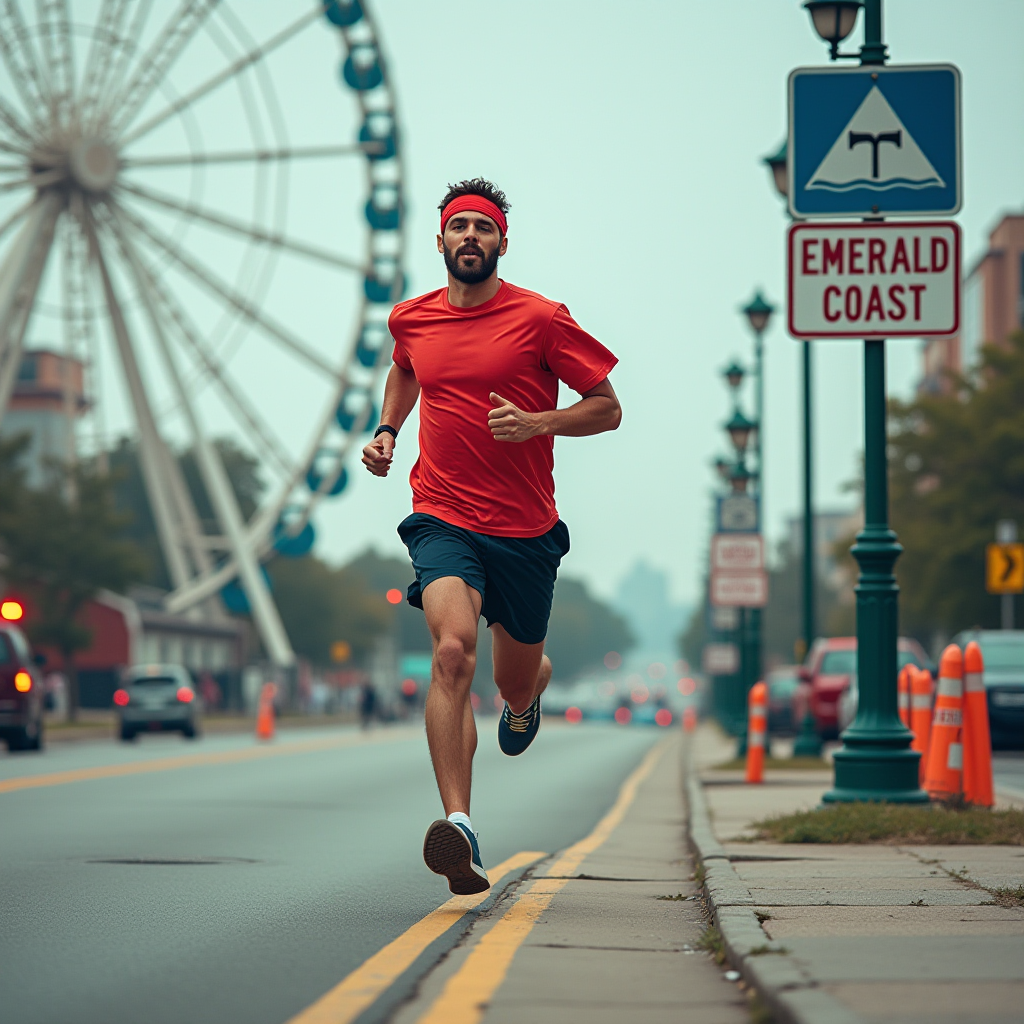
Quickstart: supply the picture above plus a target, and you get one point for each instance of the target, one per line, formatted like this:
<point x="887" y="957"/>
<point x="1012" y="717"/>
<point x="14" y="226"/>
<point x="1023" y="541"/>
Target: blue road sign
<point x="875" y="141"/>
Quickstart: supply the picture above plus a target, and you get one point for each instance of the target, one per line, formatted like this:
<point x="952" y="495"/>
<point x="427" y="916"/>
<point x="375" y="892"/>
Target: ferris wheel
<point x="193" y="209"/>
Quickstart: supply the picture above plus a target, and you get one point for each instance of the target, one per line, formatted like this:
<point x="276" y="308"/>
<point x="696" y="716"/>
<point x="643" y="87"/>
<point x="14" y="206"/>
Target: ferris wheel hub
<point x="94" y="164"/>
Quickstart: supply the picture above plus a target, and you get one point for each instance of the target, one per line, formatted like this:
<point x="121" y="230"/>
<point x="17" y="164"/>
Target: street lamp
<point x="733" y="375"/>
<point x="739" y="429"/>
<point x="776" y="163"/>
<point x="758" y="312"/>
<point x="834" y="20"/>
<point x="739" y="477"/>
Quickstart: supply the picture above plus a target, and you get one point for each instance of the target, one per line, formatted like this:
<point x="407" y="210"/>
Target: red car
<point x="828" y="669"/>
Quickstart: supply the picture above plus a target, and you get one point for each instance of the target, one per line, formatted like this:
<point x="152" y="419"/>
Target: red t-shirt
<point x="519" y="345"/>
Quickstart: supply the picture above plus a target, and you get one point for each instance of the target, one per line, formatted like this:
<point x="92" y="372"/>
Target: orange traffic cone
<point x="689" y="718"/>
<point x="265" y="714"/>
<point x="921" y="714"/>
<point x="978" y="785"/>
<point x="903" y="694"/>
<point x="943" y="779"/>
<point x="757" y="731"/>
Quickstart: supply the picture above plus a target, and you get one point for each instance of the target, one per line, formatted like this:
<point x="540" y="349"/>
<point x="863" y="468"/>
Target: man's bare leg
<point x="452" y="608"/>
<point x="521" y="671"/>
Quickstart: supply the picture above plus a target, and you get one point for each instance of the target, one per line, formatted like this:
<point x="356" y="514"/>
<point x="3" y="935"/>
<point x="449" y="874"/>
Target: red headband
<point x="478" y="204"/>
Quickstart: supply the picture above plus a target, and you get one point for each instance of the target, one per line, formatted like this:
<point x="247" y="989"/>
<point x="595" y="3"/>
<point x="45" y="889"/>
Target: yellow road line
<point x="467" y="993"/>
<point x="164" y="764"/>
<point x="356" y="992"/>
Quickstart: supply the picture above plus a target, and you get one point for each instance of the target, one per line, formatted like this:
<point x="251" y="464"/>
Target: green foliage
<point x="62" y="544"/>
<point x="582" y="630"/>
<point x="320" y="605"/>
<point x="956" y="467"/>
<point x="896" y="823"/>
<point x="383" y="573"/>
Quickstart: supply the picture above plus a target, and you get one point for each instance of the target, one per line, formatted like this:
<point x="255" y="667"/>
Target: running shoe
<point x="516" y="732"/>
<point x="452" y="850"/>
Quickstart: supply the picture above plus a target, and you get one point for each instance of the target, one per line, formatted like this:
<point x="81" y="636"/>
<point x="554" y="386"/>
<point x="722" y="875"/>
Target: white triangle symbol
<point x="875" y="151"/>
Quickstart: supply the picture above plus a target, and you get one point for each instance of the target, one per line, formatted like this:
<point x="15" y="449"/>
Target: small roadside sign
<point x="875" y="141"/>
<point x="1004" y="568"/>
<point x="737" y="552"/>
<point x="720" y="659"/>
<point x="739" y="589"/>
<point x="897" y="279"/>
<point x="737" y="513"/>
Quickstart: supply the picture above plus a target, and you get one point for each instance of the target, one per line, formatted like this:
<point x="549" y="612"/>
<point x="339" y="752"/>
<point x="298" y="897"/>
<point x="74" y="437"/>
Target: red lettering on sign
<point x="874" y="304"/>
<point x="899" y="257"/>
<point x="833" y="255"/>
<point x="894" y="297"/>
<point x="918" y="269"/>
<point x="808" y="256"/>
<point x="876" y="254"/>
<point x="939" y="246"/>
<point x="853" y="292"/>
<point x="831" y="292"/>
<point x="855" y="254"/>
<point x="917" y="289"/>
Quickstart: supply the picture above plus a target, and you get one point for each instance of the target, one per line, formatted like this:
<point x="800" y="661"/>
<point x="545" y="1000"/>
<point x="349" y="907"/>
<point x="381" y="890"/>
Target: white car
<point x="157" y="698"/>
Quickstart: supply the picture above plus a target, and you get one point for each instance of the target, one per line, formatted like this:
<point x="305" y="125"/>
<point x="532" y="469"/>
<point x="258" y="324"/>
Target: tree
<point x="956" y="468"/>
<point x="383" y="573"/>
<point x="582" y="630"/>
<point x="320" y="605"/>
<point x="62" y="544"/>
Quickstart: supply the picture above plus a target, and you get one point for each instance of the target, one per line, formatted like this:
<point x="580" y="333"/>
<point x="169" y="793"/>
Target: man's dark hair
<point x="476" y="187"/>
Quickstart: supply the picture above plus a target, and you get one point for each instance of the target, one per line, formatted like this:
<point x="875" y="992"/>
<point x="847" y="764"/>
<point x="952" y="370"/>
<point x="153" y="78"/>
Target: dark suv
<point x="21" y="692"/>
<point x="1003" y="654"/>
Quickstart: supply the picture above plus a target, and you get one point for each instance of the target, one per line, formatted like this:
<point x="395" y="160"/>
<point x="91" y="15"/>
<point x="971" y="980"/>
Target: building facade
<point x="992" y="306"/>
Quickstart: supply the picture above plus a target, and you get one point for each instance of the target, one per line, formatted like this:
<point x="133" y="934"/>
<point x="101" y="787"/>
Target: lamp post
<point x="875" y="762"/>
<point x="808" y="742"/>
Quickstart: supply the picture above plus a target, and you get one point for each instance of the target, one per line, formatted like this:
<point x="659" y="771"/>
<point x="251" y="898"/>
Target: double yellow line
<point x="472" y="986"/>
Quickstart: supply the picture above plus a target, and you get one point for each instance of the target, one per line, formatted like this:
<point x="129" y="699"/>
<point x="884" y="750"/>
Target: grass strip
<point x="811" y="764"/>
<point x="711" y="941"/>
<point x="897" y="824"/>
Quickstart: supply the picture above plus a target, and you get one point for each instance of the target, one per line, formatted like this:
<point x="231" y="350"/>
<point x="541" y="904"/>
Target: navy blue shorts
<point x="515" y="576"/>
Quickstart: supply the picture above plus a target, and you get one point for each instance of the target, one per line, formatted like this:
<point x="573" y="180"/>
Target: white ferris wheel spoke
<point x="113" y="60"/>
<point x="209" y="280"/>
<point x="238" y="227"/>
<point x="153" y="65"/>
<point x="14" y="123"/>
<point x="17" y="214"/>
<point x="234" y="395"/>
<point x="54" y="21"/>
<point x="20" y="275"/>
<point x="19" y="55"/>
<point x="218" y="486"/>
<point x="223" y="76"/>
<point x="255" y="155"/>
<point x="106" y="39"/>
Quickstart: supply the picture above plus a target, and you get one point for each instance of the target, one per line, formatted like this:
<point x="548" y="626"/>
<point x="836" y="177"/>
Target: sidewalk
<point x="844" y="933"/>
<point x="602" y="933"/>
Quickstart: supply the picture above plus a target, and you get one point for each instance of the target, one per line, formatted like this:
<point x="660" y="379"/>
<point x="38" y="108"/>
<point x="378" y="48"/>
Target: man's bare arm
<point x="400" y="394"/>
<point x="597" y="411"/>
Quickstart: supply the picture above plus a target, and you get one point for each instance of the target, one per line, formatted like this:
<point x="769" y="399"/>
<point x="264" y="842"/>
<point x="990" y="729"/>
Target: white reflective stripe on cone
<point x="956" y="757"/>
<point x="974" y="682"/>
<point x="920" y="702"/>
<point x="756" y="739"/>
<point x="950" y="687"/>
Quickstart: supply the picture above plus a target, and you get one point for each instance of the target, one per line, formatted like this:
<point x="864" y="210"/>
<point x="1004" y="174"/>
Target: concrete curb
<point x="790" y="993"/>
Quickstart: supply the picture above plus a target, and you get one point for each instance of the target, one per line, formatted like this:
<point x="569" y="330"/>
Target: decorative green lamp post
<point x="875" y="762"/>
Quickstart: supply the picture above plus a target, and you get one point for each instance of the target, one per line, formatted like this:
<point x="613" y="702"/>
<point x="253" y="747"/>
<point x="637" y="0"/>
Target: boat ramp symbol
<point x="875" y="151"/>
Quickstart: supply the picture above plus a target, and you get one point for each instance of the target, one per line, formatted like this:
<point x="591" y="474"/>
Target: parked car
<point x="21" y="692"/>
<point x="783" y="683"/>
<point x="157" y="698"/>
<point x="1003" y="654"/>
<point x="830" y="668"/>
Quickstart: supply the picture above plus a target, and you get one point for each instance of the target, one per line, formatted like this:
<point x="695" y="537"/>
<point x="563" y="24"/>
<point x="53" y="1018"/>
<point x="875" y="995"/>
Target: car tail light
<point x="22" y="682"/>
<point x="623" y="716"/>
<point x="185" y="694"/>
<point x="573" y="715"/>
<point x="663" y="717"/>
<point x="121" y="698"/>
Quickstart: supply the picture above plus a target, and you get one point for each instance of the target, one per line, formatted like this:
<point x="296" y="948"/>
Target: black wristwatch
<point x="385" y="429"/>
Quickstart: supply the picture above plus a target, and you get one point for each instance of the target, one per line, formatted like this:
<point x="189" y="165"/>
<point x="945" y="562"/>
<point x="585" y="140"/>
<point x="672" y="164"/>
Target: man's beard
<point x="470" y="275"/>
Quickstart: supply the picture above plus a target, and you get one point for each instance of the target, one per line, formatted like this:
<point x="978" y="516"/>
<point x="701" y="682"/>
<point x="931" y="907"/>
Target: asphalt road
<point x="303" y="863"/>
<point x="1008" y="771"/>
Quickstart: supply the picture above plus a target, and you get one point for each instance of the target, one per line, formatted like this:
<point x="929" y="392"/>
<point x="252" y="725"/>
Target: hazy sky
<point x="628" y="138"/>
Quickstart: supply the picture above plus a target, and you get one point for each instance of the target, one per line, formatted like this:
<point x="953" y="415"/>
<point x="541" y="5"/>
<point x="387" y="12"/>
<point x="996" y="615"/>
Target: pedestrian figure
<point x="484" y="357"/>
<point x="367" y="704"/>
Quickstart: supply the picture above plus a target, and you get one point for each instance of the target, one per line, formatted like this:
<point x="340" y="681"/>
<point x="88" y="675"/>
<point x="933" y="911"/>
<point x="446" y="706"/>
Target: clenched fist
<point x="507" y="423"/>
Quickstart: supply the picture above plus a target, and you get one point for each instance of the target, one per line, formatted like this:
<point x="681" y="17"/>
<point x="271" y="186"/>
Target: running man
<point x="485" y="358"/>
